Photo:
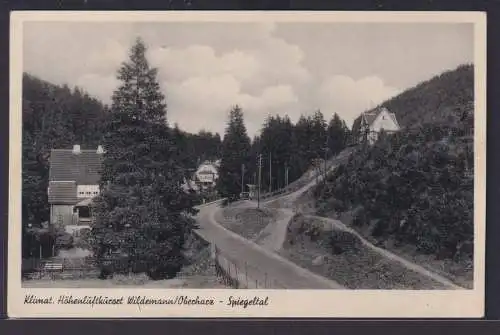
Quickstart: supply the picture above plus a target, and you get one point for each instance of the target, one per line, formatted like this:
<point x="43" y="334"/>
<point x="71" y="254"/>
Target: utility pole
<point x="270" y="175"/>
<point x="242" y="178"/>
<point x="259" y="163"/>
<point x="326" y="156"/>
<point x="317" y="166"/>
<point x="286" y="175"/>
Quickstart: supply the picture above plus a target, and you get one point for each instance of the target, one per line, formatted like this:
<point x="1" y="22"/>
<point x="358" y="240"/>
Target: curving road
<point x="258" y="262"/>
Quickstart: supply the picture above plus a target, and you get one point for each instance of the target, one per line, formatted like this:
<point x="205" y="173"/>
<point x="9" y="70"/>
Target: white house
<point x="207" y="173"/>
<point x="369" y="125"/>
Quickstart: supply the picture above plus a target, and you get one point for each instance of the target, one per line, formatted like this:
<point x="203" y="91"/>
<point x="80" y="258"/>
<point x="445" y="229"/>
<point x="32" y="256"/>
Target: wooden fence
<point x="241" y="274"/>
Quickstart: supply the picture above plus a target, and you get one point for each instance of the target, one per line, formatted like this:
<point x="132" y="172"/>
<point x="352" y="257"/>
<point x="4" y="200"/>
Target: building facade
<point x="74" y="176"/>
<point x="207" y="174"/>
<point x="369" y="125"/>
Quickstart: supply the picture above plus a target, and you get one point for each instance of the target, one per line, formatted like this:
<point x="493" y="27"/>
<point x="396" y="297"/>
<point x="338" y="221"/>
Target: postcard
<point x="247" y="164"/>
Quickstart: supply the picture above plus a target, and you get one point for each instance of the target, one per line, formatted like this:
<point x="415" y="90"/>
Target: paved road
<point x="280" y="272"/>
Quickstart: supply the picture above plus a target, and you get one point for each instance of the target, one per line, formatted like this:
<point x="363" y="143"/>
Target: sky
<point x="292" y="68"/>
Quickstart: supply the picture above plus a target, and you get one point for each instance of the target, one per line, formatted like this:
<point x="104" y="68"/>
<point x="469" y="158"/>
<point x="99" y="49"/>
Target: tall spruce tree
<point x="276" y="143"/>
<point x="235" y="152"/>
<point x="142" y="213"/>
<point x="338" y="134"/>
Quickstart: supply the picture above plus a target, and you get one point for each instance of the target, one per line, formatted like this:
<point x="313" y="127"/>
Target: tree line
<point x="285" y="150"/>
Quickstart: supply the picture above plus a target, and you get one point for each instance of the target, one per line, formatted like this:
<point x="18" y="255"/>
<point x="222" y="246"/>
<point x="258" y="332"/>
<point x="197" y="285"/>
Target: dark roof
<point x="62" y="192"/>
<point x="370" y="117"/>
<point x="83" y="168"/>
<point x="356" y="125"/>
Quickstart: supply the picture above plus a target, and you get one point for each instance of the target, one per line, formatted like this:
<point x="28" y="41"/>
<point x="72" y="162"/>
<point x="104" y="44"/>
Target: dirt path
<point x="273" y="236"/>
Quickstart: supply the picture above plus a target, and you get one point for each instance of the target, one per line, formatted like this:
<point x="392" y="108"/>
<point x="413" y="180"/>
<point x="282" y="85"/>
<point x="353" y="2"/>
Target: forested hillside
<point x="441" y="99"/>
<point x="53" y="117"/>
<point x="416" y="186"/>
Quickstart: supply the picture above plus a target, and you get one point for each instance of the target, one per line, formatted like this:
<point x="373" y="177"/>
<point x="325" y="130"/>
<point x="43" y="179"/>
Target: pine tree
<point x="338" y="134"/>
<point x="318" y="139"/>
<point x="35" y="207"/>
<point x="304" y="153"/>
<point x="142" y="212"/>
<point x="276" y="143"/>
<point x="235" y="152"/>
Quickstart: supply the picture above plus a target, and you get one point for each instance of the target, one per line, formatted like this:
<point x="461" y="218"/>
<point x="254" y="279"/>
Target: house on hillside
<point x="74" y="176"/>
<point x="207" y="174"/>
<point x="368" y="125"/>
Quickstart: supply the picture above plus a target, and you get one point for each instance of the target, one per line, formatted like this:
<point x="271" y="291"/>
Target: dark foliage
<point x="142" y="214"/>
<point x="415" y="186"/>
<point x="235" y="154"/>
<point x="446" y="99"/>
<point x="288" y="150"/>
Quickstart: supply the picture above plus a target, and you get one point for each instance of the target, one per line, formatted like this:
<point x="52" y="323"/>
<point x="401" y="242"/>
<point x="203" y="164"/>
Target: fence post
<point x="246" y="273"/>
<point x="236" y="275"/>
<point x="265" y="279"/>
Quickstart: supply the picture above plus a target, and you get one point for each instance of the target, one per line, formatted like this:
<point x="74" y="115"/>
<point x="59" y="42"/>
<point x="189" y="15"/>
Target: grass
<point x="247" y="222"/>
<point x="310" y="245"/>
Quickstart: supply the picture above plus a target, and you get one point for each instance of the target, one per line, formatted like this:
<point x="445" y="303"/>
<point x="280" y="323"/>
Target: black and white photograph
<point x="257" y="159"/>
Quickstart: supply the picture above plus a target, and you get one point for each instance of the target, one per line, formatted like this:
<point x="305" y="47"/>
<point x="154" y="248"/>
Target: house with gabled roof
<point x="207" y="173"/>
<point x="368" y="125"/>
<point x="74" y="176"/>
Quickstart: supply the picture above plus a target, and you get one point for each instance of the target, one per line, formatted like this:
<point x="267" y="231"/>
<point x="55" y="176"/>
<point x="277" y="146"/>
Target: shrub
<point x="63" y="240"/>
<point x="342" y="241"/>
<point x="359" y="217"/>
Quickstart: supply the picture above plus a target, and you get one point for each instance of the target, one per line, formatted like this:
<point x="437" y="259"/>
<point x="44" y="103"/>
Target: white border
<point x="283" y="303"/>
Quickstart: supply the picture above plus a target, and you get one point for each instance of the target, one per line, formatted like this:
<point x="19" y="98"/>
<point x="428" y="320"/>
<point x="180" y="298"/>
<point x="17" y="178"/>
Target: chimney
<point x="76" y="149"/>
<point x="100" y="150"/>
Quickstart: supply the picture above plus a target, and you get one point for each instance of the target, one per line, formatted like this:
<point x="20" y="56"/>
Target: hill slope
<point x="415" y="188"/>
<point x="444" y="99"/>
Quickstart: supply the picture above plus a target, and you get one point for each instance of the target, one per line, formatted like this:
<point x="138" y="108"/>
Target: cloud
<point x="348" y="97"/>
<point x="204" y="102"/>
<point x="177" y="64"/>
<point x="206" y="68"/>
<point x="262" y="78"/>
